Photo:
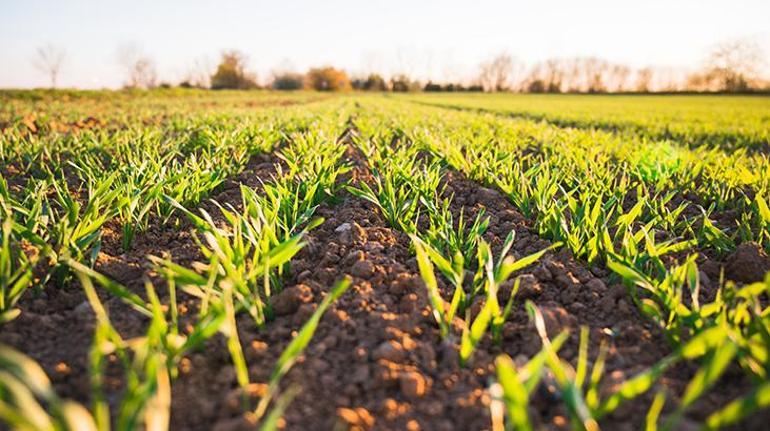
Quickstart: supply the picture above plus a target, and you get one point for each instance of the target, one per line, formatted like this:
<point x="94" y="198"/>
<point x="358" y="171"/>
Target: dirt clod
<point x="748" y="263"/>
<point x="289" y="299"/>
<point x="412" y="384"/>
<point x="362" y="269"/>
<point x="358" y="418"/>
<point x="390" y="350"/>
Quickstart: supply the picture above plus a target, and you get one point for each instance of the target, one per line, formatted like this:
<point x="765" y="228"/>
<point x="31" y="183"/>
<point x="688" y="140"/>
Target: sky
<point x="440" y="40"/>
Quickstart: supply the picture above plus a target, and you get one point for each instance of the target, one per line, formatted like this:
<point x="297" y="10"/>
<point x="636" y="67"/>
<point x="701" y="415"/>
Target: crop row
<point x="577" y="187"/>
<point x="154" y="176"/>
<point x="726" y="122"/>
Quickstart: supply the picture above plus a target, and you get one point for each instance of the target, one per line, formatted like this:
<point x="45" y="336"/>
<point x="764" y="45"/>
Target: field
<point x="191" y="259"/>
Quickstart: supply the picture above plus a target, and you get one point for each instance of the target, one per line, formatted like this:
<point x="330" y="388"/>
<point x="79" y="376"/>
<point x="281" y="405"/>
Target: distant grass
<point x="727" y="120"/>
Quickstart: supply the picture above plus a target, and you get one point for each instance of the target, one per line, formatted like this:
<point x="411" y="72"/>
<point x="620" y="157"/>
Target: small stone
<point x="357" y="233"/>
<point x="360" y="353"/>
<point x="412" y="425"/>
<point x="344" y="227"/>
<point x="62" y="368"/>
<point x="351" y="233"/>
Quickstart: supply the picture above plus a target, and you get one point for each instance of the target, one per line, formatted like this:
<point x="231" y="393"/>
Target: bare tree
<point x="49" y="59"/>
<point x="199" y="74"/>
<point x="618" y="77"/>
<point x="139" y="67"/>
<point x="734" y="64"/>
<point x="553" y="75"/>
<point x="496" y="74"/>
<point x="644" y="80"/>
<point x="595" y="73"/>
<point x="576" y="75"/>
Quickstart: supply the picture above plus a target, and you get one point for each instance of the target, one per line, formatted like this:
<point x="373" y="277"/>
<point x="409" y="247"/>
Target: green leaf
<point x="738" y="409"/>
<point x="634" y="387"/>
<point x="515" y="393"/>
<point x="764" y="211"/>
<point x="117" y="289"/>
<point x="651" y="420"/>
<point x="708" y="373"/>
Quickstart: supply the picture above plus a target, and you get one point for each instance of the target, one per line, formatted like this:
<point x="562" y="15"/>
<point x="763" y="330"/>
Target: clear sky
<point x="437" y="39"/>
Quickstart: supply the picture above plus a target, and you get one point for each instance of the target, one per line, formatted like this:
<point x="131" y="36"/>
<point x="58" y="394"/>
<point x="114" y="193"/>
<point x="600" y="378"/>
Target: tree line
<point x="732" y="66"/>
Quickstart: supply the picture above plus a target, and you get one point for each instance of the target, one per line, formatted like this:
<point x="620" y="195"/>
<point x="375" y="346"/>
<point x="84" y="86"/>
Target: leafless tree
<point x="49" y="59"/>
<point x="618" y="77"/>
<point x="199" y="74"/>
<point x="496" y="74"/>
<point x="139" y="67"/>
<point x="734" y="64"/>
<point x="594" y="72"/>
<point x="553" y="75"/>
<point x="644" y="80"/>
<point x="667" y="79"/>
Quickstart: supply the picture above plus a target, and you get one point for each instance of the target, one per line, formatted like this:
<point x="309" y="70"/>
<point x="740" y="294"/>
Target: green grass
<point x="730" y="121"/>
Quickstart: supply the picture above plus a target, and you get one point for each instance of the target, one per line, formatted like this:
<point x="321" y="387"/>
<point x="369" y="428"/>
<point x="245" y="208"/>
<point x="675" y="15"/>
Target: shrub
<point x="327" y="79"/>
<point x="402" y="83"/>
<point x="231" y="73"/>
<point x="375" y="82"/>
<point x="288" y="81"/>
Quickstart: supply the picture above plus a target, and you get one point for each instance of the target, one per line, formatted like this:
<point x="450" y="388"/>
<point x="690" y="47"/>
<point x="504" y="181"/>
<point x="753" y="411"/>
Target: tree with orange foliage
<point x="327" y="79"/>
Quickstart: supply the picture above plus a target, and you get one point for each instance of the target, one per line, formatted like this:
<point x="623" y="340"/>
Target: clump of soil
<point x="748" y="263"/>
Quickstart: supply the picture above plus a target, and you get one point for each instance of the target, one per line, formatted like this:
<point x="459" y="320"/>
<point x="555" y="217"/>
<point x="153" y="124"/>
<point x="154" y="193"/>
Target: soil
<point x="748" y="263"/>
<point x="377" y="360"/>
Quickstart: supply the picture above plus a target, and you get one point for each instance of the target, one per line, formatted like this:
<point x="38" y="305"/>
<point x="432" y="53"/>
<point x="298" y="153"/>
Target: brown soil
<point x="377" y="360"/>
<point x="748" y="263"/>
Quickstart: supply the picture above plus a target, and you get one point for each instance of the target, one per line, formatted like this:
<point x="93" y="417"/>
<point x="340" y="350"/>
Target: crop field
<point x="196" y="260"/>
